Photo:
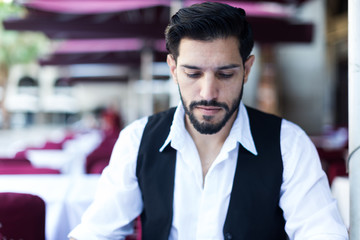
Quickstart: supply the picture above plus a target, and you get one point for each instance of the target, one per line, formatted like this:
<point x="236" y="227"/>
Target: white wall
<point x="302" y="71"/>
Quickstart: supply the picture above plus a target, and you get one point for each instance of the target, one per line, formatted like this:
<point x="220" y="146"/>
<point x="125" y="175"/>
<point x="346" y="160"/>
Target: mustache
<point x="211" y="103"/>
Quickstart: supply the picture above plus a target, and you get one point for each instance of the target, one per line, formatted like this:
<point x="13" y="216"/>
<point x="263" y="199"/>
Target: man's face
<point x="210" y="77"/>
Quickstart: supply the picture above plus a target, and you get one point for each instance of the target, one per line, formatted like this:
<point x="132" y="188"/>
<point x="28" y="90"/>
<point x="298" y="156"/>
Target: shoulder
<point x="296" y="148"/>
<point x="126" y="147"/>
<point x="263" y="120"/>
<point x="136" y="126"/>
<point x="165" y="115"/>
<point x="291" y="131"/>
<point x="132" y="133"/>
<point x="257" y="111"/>
<point x="159" y="123"/>
<point x="264" y="125"/>
<point x="294" y="138"/>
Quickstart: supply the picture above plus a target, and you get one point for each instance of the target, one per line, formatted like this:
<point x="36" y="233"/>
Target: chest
<point x="219" y="175"/>
<point x="202" y="202"/>
<point x="174" y="194"/>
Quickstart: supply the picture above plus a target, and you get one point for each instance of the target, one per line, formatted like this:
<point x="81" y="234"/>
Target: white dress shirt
<point x="200" y="207"/>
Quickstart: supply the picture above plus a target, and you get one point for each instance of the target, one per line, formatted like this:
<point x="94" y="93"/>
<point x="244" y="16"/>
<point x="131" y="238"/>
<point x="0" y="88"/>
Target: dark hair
<point x="208" y="21"/>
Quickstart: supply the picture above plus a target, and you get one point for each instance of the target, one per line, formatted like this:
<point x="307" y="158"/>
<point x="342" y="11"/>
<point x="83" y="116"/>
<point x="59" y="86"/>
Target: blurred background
<point x="73" y="73"/>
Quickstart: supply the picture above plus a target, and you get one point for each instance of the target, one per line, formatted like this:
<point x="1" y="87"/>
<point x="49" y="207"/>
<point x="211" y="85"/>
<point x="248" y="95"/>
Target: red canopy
<point x="254" y="8"/>
<point x="103" y="25"/>
<point x="146" y="19"/>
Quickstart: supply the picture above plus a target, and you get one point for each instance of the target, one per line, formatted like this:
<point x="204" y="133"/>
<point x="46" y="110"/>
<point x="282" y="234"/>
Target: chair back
<point x="22" y="216"/>
<point x="27" y="169"/>
<point x="99" y="158"/>
<point x="14" y="161"/>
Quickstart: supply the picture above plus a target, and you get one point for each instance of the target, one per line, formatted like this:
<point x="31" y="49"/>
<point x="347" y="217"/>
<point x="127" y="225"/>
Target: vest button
<point x="228" y="236"/>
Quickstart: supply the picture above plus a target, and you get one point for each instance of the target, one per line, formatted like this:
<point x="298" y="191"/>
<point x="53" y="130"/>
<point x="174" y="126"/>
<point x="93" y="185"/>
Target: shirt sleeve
<point x="118" y="199"/>
<point x="310" y="211"/>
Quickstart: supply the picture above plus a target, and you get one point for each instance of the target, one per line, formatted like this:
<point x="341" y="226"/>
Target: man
<point x="212" y="168"/>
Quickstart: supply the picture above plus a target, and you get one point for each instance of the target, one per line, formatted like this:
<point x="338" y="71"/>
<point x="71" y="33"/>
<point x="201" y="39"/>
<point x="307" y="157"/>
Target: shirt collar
<point x="177" y="129"/>
<point x="240" y="131"/>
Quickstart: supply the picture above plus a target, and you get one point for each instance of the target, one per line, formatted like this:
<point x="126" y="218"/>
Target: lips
<point x="208" y="110"/>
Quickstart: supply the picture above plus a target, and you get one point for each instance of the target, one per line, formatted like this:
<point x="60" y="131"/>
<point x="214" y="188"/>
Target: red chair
<point x="48" y="145"/>
<point x="14" y="161"/>
<point x="21" y="154"/>
<point x="336" y="170"/>
<point x="26" y="169"/>
<point x="99" y="158"/>
<point x="53" y="145"/>
<point x="137" y="230"/>
<point x="98" y="166"/>
<point x="22" y="216"/>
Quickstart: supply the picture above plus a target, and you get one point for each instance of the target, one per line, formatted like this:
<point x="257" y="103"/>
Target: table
<point x="69" y="160"/>
<point x="51" y="158"/>
<point x="79" y="197"/>
<point x="66" y="198"/>
<point x="340" y="189"/>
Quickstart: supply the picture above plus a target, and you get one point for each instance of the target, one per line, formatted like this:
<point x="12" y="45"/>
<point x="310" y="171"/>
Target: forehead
<point x="213" y="53"/>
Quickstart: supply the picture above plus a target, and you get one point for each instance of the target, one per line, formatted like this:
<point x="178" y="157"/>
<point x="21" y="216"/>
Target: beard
<point x="205" y="126"/>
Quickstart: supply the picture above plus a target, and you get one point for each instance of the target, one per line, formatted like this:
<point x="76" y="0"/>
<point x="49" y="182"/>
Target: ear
<point x="172" y="65"/>
<point x="247" y="66"/>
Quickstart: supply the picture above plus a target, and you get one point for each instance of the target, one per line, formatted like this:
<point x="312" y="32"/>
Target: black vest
<point x="253" y="213"/>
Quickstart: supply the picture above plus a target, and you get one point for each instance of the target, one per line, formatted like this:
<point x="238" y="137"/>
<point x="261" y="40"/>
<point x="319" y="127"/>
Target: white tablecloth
<point x="66" y="198"/>
<point x="49" y="158"/>
<point x="70" y="159"/>
<point x="341" y="191"/>
<point x="79" y="197"/>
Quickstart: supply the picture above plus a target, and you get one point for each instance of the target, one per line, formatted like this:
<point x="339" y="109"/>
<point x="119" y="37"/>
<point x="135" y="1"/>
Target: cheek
<point x="188" y="92"/>
<point x="187" y="85"/>
<point x="231" y="91"/>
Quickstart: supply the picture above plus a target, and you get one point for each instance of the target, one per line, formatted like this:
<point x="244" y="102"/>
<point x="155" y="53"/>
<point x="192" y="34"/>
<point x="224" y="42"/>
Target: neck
<point x="216" y="138"/>
<point x="209" y="146"/>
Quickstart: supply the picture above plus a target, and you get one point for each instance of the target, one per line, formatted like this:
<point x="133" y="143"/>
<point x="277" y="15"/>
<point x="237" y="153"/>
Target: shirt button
<point x="228" y="236"/>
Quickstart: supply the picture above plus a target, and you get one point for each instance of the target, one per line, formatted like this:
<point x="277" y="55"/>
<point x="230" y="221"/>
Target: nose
<point x="209" y="88"/>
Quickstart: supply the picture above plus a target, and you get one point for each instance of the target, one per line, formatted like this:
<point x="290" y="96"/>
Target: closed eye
<point x="225" y="75"/>
<point x="193" y="75"/>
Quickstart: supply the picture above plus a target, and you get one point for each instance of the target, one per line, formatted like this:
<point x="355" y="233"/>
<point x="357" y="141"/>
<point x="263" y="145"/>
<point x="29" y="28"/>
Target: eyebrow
<point x="230" y="66"/>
